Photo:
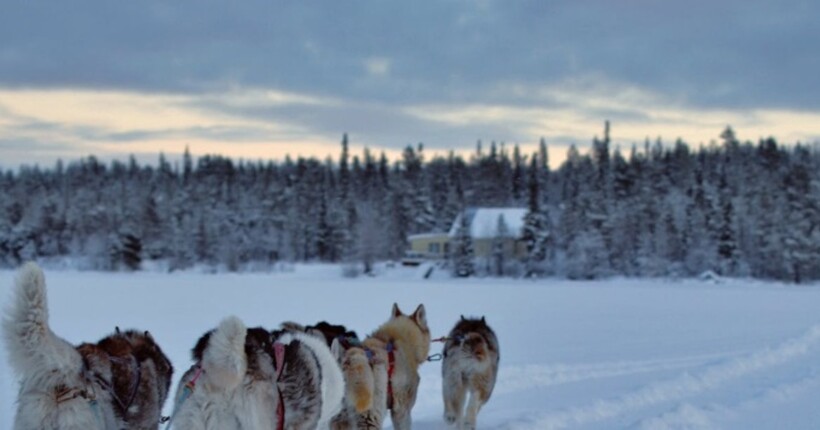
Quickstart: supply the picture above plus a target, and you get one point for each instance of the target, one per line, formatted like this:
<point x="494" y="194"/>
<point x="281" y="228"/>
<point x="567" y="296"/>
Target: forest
<point x="740" y="209"/>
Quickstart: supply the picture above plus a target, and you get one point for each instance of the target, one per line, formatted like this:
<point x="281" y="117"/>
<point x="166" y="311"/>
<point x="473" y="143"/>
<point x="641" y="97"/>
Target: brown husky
<point x="365" y="375"/>
<point x="401" y="344"/>
<point x="120" y="382"/>
<point x="470" y="366"/>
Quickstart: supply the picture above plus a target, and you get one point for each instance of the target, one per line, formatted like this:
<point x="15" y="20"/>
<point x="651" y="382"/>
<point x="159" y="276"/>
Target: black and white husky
<point x="312" y="383"/>
<point x="120" y="382"/>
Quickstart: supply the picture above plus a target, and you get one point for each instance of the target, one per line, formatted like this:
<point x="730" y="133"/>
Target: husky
<point x="311" y="383"/>
<point x="232" y="386"/>
<point x="403" y="343"/>
<point x="470" y="365"/>
<point x="365" y="374"/>
<point x="120" y="382"/>
<point x="359" y="368"/>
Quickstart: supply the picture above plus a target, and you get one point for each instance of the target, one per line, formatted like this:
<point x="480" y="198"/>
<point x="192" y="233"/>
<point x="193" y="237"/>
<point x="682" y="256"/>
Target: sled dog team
<point x="294" y="377"/>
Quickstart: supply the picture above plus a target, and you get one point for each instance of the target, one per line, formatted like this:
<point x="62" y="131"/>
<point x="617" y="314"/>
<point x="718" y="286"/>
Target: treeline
<point x="735" y="208"/>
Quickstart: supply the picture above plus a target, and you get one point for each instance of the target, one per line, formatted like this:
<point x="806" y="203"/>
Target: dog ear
<point x="462" y="318"/>
<point x="396" y="311"/>
<point x="420" y="316"/>
<point x="483" y="321"/>
<point x="337" y="350"/>
<point x="117" y="329"/>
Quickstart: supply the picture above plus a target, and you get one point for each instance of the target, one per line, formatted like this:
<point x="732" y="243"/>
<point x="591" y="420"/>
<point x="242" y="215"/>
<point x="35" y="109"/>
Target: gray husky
<point x="470" y="366"/>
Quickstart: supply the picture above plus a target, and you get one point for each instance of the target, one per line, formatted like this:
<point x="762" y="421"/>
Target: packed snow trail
<point x="684" y="386"/>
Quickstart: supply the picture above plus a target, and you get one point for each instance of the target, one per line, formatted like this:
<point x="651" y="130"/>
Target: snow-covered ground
<point x="650" y="354"/>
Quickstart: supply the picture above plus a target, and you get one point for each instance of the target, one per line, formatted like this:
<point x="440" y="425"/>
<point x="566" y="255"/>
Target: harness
<point x="135" y="383"/>
<point x="391" y="365"/>
<point x="186" y="392"/>
<point x="439" y="357"/>
<point x="64" y="393"/>
<point x="352" y="342"/>
<point x="279" y="357"/>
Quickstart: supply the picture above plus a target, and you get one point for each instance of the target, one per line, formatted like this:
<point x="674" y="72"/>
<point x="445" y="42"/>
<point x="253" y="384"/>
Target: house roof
<point x="434" y="235"/>
<point x="483" y="222"/>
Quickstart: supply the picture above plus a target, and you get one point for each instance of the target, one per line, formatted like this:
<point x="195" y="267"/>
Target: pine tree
<point x="728" y="250"/>
<point x="462" y="249"/>
<point x="803" y="219"/>
<point x="535" y="234"/>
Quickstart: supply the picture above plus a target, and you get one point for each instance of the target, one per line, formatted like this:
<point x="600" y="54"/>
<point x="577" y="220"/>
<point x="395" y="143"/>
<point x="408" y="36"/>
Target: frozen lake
<point x="653" y="354"/>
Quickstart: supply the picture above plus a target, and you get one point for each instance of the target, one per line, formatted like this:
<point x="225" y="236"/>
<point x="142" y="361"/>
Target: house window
<point x="434" y="248"/>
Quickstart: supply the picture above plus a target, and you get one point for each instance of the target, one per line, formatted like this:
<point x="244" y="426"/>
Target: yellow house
<point x="430" y="245"/>
<point x="483" y="225"/>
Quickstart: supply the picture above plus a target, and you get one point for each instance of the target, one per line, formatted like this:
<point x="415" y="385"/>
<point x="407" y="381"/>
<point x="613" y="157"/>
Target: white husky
<point x="220" y="393"/>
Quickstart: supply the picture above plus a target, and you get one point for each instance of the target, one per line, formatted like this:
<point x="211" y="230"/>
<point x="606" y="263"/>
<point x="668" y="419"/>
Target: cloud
<point x="259" y="123"/>
<point x="377" y="66"/>
<point x="265" y="78"/>
<point x="731" y="54"/>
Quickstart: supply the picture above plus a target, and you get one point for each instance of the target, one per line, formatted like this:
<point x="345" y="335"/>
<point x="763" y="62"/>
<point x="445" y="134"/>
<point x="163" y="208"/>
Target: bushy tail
<point x="25" y="327"/>
<point x="332" y="379"/>
<point x="224" y="361"/>
<point x="359" y="382"/>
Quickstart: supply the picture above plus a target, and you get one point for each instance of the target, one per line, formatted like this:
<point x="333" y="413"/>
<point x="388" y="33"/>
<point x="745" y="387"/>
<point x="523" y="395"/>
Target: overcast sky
<point x="261" y="79"/>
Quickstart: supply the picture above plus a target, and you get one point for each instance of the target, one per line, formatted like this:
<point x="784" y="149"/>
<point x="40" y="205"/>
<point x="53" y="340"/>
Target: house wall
<point x="422" y="245"/>
<point x="481" y="247"/>
<point x="514" y="248"/>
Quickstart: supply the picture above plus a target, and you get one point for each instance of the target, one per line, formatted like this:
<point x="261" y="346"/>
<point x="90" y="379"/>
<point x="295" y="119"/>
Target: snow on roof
<point x="484" y="222"/>
<point x="432" y="235"/>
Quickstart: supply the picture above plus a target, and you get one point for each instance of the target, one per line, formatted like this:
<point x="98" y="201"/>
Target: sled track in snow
<point x="688" y="416"/>
<point x="512" y="379"/>
<point x="680" y="387"/>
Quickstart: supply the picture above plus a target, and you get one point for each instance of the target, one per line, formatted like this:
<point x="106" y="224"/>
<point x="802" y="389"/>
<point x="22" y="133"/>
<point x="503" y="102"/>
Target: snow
<point x="484" y="222"/>
<point x="621" y="353"/>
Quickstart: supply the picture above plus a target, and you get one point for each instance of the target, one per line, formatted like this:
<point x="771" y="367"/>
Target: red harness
<point x="279" y="355"/>
<point x="391" y="365"/>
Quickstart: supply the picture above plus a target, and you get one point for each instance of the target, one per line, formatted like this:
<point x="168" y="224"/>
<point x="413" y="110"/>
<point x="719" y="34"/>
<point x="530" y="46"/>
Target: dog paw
<point x="468" y="425"/>
<point x="450" y="418"/>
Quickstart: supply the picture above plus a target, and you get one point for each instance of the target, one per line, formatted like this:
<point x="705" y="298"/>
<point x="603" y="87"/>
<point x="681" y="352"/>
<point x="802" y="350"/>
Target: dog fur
<point x="120" y="382"/>
<point x="329" y="332"/>
<point x="236" y="387"/>
<point x="365" y="373"/>
<point x="357" y="367"/>
<point x="410" y="337"/>
<point x="470" y="365"/>
<point x="312" y="383"/>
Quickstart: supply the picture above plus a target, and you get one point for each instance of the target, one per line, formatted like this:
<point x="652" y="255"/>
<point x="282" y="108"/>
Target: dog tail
<point x="358" y="376"/>
<point x="360" y="387"/>
<point x="333" y="382"/>
<point x="25" y="327"/>
<point x="224" y="360"/>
